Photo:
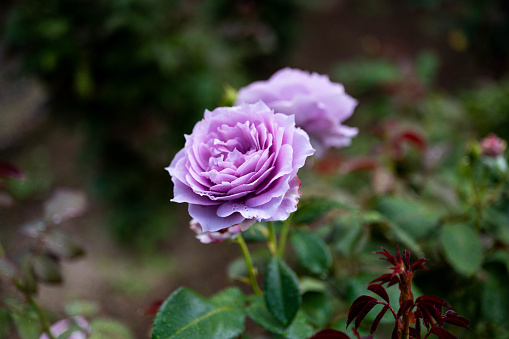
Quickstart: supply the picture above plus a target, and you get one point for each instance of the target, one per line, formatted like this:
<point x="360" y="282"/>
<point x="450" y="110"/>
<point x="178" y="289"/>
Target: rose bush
<point x="240" y="165"/>
<point x="319" y="105"/>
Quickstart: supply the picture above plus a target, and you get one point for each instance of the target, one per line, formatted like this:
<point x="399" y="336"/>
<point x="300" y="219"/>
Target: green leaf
<point x="232" y="296"/>
<point x="399" y="233"/>
<point x="501" y="256"/>
<point x="309" y="284"/>
<point x="27" y="283"/>
<point x="281" y="291"/>
<point x="497" y="222"/>
<point x="349" y="231"/>
<point x="313" y="209"/>
<point x="111" y="329"/>
<point x="47" y="269"/>
<point x="318" y="308"/>
<point x="5" y="322"/>
<point x="495" y="297"/>
<point x="426" y="65"/>
<point x="405" y="238"/>
<point x="416" y="218"/>
<point x="462" y="248"/>
<point x="312" y="252"/>
<point x="86" y="308"/>
<point x="62" y="245"/>
<point x="365" y="75"/>
<point x="256" y="233"/>
<point x="186" y="314"/>
<point x="27" y="323"/>
<point x="298" y="329"/>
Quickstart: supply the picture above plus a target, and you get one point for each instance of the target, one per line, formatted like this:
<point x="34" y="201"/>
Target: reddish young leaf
<point x="454" y="318"/>
<point x="418" y="315"/>
<point x="330" y="334"/>
<point x="417" y="324"/>
<point x="406" y="261"/>
<point x="9" y="171"/>
<point x="388" y="257"/>
<point x="430" y="312"/>
<point x="419" y="264"/>
<point x="357" y="164"/>
<point x="153" y="308"/>
<point x="380" y="291"/>
<point x="413" y="332"/>
<point x="357" y="307"/>
<point x="394" y="281"/>
<point x="379" y="317"/>
<point x="413" y="137"/>
<point x="442" y="333"/>
<point x="431" y="299"/>
<point x="368" y="307"/>
<point x="383" y="278"/>
<point x="329" y="165"/>
<point x="404" y="307"/>
<point x="394" y="334"/>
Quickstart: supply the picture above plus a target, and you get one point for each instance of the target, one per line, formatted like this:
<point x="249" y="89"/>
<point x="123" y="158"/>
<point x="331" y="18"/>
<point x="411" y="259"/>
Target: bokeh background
<point x="95" y="96"/>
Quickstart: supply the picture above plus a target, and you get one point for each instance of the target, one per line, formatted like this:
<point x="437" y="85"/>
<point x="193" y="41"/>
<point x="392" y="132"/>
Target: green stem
<point x="2" y="251"/>
<point x="272" y="239"/>
<point x="478" y="203"/>
<point x="249" y="265"/>
<point x="284" y="236"/>
<point x="42" y="316"/>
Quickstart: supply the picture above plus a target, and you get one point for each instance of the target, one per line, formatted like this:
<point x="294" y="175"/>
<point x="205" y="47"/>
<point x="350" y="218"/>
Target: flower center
<point x="235" y="151"/>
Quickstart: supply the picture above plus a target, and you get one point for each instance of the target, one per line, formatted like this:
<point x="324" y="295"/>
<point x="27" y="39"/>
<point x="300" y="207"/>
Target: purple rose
<point x="319" y="105"/>
<point x="78" y="327"/>
<point x="239" y="165"/>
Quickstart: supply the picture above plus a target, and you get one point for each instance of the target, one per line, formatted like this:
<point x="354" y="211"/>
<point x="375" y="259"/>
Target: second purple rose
<point x="319" y="105"/>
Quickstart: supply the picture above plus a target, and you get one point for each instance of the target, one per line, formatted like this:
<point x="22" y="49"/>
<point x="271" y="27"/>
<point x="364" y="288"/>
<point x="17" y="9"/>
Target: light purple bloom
<point x="319" y="105"/>
<point x="240" y="165"/>
<point x="81" y="331"/>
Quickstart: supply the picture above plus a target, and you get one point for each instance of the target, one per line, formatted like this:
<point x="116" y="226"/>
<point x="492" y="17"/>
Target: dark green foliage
<point x="462" y="248"/>
<point x="318" y="308"/>
<point x="282" y="294"/>
<point x="299" y="328"/>
<point x="136" y="75"/>
<point x="186" y="314"/>
<point x="312" y="252"/>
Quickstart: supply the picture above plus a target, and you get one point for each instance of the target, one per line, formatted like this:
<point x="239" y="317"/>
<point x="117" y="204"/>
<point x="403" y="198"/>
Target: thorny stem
<point x="41" y="315"/>
<point x="249" y="265"/>
<point x="272" y="238"/>
<point x="284" y="236"/>
<point x="406" y="294"/>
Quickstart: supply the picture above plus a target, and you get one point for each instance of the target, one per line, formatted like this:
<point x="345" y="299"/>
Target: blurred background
<point x="95" y="96"/>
